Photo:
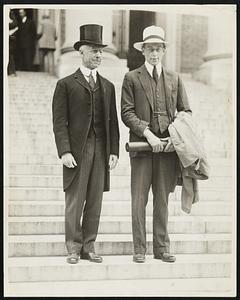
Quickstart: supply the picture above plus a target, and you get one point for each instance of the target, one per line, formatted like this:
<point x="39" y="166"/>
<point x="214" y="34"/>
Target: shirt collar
<point x="150" y="68"/>
<point x="86" y="71"/>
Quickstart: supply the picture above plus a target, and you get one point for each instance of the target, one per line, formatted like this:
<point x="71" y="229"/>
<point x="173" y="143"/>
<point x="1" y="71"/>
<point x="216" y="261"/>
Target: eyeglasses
<point x="95" y="51"/>
<point x="152" y="48"/>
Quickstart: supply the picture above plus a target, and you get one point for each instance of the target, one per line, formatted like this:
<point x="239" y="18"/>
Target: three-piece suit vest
<point x="160" y="120"/>
<point x="97" y="123"/>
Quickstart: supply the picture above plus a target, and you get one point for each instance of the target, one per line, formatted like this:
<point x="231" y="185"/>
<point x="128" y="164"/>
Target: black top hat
<point x="90" y="34"/>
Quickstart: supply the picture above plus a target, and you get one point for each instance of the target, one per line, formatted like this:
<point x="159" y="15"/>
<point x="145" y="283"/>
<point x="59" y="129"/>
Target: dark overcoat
<point x="72" y="116"/>
<point x="27" y="34"/>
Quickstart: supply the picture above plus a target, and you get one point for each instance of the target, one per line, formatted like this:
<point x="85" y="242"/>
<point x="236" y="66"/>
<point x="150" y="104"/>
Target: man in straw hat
<point x="150" y="96"/>
<point x="86" y="132"/>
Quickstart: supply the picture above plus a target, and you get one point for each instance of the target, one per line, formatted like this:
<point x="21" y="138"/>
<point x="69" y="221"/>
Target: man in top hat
<point x="86" y="132"/>
<point x="150" y="96"/>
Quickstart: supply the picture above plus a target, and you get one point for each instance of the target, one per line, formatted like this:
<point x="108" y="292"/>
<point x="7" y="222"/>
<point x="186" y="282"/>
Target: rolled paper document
<point x="139" y="146"/>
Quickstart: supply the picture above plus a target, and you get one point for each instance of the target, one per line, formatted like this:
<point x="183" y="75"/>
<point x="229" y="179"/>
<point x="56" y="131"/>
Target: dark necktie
<point x="155" y="74"/>
<point x="91" y="81"/>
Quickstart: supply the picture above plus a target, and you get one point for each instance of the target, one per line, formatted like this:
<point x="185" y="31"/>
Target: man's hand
<point x="113" y="159"/>
<point x="169" y="147"/>
<point x="155" y="142"/>
<point x="68" y="160"/>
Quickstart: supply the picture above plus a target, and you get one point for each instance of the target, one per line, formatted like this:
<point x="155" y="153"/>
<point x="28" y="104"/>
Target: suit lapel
<point x="167" y="79"/>
<point x="105" y="96"/>
<point x="144" y="79"/>
<point x="81" y="79"/>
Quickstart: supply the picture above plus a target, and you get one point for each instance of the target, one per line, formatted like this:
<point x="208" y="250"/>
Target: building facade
<point x="201" y="39"/>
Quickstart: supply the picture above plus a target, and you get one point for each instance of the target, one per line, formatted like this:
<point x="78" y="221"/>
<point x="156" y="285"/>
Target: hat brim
<point x="78" y="44"/>
<point x="139" y="45"/>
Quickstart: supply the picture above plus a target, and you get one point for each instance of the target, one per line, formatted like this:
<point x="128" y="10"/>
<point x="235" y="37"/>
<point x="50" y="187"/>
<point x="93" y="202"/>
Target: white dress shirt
<point x="86" y="73"/>
<point x="24" y="19"/>
<point x="150" y="68"/>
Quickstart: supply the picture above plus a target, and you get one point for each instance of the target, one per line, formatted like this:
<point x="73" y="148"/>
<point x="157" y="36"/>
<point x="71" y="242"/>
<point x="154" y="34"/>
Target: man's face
<point x="153" y="52"/>
<point x="22" y="13"/>
<point x="91" y="56"/>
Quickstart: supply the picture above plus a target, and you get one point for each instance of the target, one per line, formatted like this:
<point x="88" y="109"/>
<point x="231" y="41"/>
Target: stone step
<point x="116" y="208"/>
<point x="49" y="155"/>
<point x="53" y="158"/>
<point x="57" y="194"/>
<point x="43" y="160"/>
<point x="200" y="113"/>
<point x="45" y="125"/>
<point x="121" y="224"/>
<point x="180" y="287"/>
<point x="17" y="104"/>
<point x="214" y="162"/>
<point x="41" y="132"/>
<point x="25" y="109"/>
<point x="46" y="153"/>
<point x="118" y="244"/>
<point x="117" y="181"/>
<point x="189" y="266"/>
<point x="43" y="151"/>
<point x="123" y="168"/>
<point x="33" y="118"/>
<point x="47" y="133"/>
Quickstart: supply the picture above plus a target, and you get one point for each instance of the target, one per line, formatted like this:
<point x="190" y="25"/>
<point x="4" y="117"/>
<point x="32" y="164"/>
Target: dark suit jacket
<point x="27" y="34"/>
<point x="137" y="100"/>
<point x="72" y="114"/>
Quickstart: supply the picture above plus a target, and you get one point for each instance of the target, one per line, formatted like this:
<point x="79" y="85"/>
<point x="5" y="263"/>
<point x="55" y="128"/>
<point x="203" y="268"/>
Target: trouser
<point x="83" y="198"/>
<point x="26" y="57"/>
<point x="11" y="65"/>
<point x="156" y="170"/>
<point x="49" y="54"/>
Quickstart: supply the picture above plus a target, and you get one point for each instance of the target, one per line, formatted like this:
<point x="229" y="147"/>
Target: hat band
<point x="153" y="37"/>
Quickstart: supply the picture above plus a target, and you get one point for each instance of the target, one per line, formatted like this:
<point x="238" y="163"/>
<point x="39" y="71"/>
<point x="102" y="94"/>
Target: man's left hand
<point x="113" y="159"/>
<point x="169" y="147"/>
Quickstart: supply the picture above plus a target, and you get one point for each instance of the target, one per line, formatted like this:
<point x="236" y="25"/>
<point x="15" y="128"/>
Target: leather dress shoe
<point x="139" y="258"/>
<point x="165" y="256"/>
<point x="91" y="256"/>
<point x="73" y="258"/>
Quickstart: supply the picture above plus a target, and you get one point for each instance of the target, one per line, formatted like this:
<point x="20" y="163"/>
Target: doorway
<point x="138" y="21"/>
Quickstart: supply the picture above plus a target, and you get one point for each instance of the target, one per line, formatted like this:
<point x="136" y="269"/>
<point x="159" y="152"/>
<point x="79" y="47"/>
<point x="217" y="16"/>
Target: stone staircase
<point x="202" y="241"/>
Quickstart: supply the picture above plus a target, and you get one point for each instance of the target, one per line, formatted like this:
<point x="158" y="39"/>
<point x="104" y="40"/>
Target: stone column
<point x="74" y="18"/>
<point x="86" y="15"/>
<point x="171" y="37"/>
<point x="217" y="68"/>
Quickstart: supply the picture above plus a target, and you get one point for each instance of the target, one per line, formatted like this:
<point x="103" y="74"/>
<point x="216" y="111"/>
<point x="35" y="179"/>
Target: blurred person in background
<point x="47" y="36"/>
<point x="13" y="27"/>
<point x="26" y="40"/>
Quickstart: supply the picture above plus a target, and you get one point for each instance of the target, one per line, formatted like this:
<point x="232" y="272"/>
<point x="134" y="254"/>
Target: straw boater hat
<point x="151" y="34"/>
<point x="90" y="34"/>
